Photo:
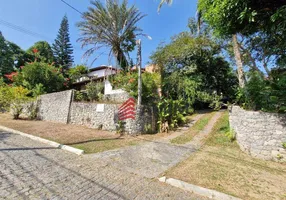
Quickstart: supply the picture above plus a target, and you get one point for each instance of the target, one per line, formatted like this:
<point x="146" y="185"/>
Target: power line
<point x="21" y="29"/>
<point x="71" y="7"/>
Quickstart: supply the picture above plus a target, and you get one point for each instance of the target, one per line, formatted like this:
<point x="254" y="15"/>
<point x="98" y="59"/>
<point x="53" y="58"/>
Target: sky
<point x="43" y="17"/>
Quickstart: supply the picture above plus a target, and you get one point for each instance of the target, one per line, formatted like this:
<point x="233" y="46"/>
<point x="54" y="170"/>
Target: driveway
<point x="32" y="170"/>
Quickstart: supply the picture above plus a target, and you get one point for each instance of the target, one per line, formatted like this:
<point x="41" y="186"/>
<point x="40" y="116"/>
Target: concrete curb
<point x="212" y="194"/>
<point x="45" y="141"/>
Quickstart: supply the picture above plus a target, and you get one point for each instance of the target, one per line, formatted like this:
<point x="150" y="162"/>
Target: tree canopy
<point x="44" y="51"/>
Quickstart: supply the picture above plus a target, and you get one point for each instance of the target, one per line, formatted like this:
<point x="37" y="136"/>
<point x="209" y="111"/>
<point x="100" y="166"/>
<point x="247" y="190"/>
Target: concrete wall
<point x="258" y="133"/>
<point x="55" y="106"/>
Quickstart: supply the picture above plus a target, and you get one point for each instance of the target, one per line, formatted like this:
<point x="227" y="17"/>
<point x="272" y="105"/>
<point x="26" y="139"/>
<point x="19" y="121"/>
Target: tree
<point x="45" y="53"/>
<point x="191" y="65"/>
<point x="114" y="26"/>
<point x="62" y="47"/>
<point x="6" y="57"/>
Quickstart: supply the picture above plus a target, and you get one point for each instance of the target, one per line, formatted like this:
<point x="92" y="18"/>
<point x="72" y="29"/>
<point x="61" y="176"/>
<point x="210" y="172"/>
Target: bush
<point x="94" y="91"/>
<point x="129" y="82"/>
<point x="77" y="72"/>
<point x="266" y="94"/>
<point x="170" y="114"/>
<point x="40" y="77"/>
<point x="18" y="97"/>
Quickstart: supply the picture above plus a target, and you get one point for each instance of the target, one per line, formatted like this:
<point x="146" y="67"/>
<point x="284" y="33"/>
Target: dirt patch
<point x="62" y="133"/>
<point x="222" y="166"/>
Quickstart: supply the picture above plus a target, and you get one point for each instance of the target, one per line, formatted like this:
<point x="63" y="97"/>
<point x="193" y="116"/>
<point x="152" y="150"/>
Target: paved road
<point x="32" y="170"/>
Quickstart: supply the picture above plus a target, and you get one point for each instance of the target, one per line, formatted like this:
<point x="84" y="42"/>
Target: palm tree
<point x="169" y="2"/>
<point x="112" y="26"/>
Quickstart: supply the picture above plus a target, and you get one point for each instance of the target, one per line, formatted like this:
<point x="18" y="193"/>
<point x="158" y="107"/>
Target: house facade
<point x="97" y="74"/>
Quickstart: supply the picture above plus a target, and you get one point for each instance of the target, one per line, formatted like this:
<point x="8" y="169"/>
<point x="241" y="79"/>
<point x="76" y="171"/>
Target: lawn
<point x="194" y="130"/>
<point x="222" y="166"/>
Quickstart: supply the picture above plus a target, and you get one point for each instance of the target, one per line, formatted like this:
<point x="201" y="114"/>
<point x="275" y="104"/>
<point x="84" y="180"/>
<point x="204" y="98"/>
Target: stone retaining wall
<point x="258" y="133"/>
<point x="55" y="107"/>
<point x="59" y="107"/>
<point x="105" y="117"/>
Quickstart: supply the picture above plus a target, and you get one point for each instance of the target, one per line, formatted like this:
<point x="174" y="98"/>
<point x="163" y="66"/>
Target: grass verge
<point x="194" y="130"/>
<point x="222" y="166"/>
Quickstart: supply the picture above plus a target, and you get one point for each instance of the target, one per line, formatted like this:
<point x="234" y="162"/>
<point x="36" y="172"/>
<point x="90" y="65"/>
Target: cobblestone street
<point x="32" y="170"/>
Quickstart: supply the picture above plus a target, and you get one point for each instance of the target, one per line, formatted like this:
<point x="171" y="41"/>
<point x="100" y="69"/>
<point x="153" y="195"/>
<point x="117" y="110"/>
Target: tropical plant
<point x="62" y="47"/>
<point x="164" y="1"/>
<point x="94" y="91"/>
<point x="112" y="26"/>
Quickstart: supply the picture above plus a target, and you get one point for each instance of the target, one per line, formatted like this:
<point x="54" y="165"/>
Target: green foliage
<point x="284" y="145"/>
<point x="5" y="96"/>
<point x="80" y="96"/>
<point x="120" y="127"/>
<point x="41" y="51"/>
<point x="118" y="22"/>
<point x="129" y="82"/>
<point x="18" y="97"/>
<point x="266" y="17"/>
<point x="230" y="134"/>
<point x="192" y="70"/>
<point x="40" y="78"/>
<point x="171" y="113"/>
<point x="264" y="94"/>
<point x="6" y="57"/>
<point x="94" y="91"/>
<point x="62" y="47"/>
<point x="77" y="72"/>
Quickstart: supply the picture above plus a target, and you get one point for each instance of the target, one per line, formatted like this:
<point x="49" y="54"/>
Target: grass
<point x="106" y="144"/>
<point x="222" y="166"/>
<point x="194" y="130"/>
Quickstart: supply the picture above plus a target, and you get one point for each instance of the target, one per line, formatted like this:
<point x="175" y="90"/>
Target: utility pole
<point x="139" y="63"/>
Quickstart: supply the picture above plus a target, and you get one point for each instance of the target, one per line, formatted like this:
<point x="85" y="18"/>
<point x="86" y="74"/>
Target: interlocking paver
<point x="28" y="172"/>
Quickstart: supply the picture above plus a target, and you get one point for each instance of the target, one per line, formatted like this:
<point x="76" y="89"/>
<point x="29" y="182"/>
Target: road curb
<point x="45" y="141"/>
<point x="212" y="194"/>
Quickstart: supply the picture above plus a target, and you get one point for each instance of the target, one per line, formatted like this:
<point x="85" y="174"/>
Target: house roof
<point x="101" y="67"/>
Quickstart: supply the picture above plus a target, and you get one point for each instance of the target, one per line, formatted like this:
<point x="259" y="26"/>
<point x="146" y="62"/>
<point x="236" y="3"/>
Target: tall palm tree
<point x="169" y="2"/>
<point x="112" y="26"/>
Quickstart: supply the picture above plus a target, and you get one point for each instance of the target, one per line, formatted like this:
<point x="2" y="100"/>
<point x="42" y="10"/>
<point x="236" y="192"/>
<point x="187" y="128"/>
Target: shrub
<point x="76" y="72"/>
<point x="170" y="113"/>
<point x="129" y="82"/>
<point x="18" y="97"/>
<point x="266" y="94"/>
<point x="94" y="91"/>
<point x="40" y="77"/>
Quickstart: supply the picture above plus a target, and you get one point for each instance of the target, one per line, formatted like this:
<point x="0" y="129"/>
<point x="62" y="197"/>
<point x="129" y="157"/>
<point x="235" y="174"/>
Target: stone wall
<point x="55" y="106"/>
<point x="98" y="116"/>
<point x="105" y="117"/>
<point x="258" y="133"/>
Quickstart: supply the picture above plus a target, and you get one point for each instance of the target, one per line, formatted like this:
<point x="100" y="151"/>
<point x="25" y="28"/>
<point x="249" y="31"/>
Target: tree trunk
<point x="139" y="63"/>
<point x="237" y="55"/>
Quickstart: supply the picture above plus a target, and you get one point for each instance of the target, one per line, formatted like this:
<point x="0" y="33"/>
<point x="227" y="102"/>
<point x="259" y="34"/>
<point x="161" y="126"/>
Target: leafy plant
<point x="77" y="72"/>
<point x="120" y="127"/>
<point x="18" y="99"/>
<point x="40" y="77"/>
<point x="284" y="145"/>
<point x="230" y="134"/>
<point x="94" y="91"/>
<point x="170" y="113"/>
